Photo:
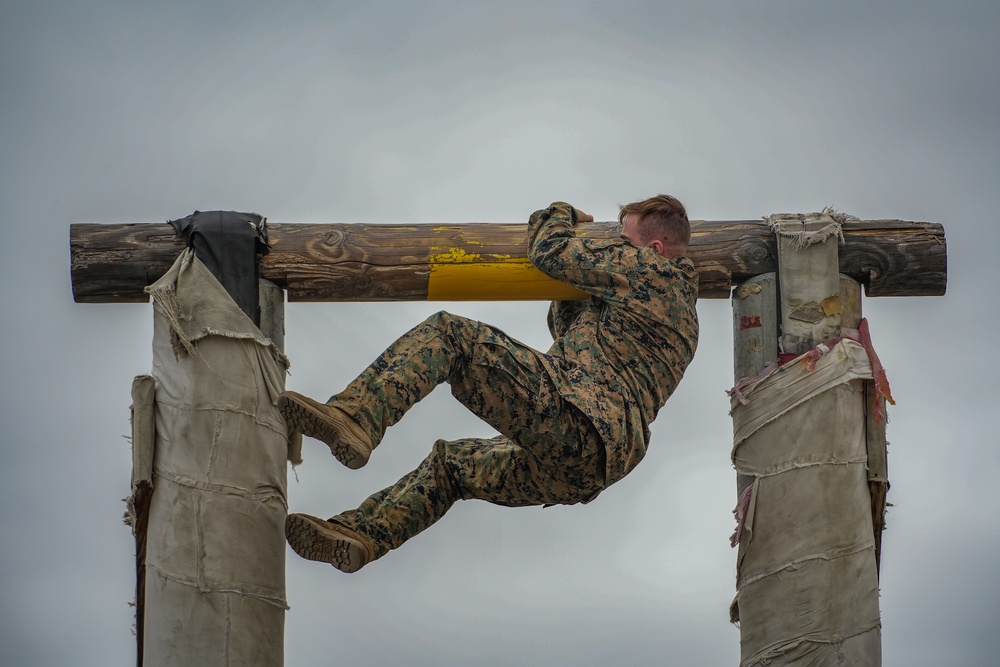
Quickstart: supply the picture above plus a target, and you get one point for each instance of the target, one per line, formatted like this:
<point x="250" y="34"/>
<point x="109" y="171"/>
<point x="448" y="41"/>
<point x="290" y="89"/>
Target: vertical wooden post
<point x="272" y="313"/>
<point x="215" y="570"/>
<point x="137" y="514"/>
<point x="806" y="575"/>
<point x="878" y="466"/>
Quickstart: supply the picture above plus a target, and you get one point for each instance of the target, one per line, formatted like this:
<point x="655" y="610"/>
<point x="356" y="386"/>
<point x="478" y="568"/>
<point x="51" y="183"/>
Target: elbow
<point x="544" y="254"/>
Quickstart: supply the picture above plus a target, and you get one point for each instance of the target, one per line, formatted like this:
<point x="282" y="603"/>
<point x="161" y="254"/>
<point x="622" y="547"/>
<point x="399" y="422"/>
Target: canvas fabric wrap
<point x="215" y="591"/>
<point x="804" y="526"/>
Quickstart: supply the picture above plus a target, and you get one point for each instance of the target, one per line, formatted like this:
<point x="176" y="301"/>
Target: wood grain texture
<point x="362" y="262"/>
<point x="113" y="263"/>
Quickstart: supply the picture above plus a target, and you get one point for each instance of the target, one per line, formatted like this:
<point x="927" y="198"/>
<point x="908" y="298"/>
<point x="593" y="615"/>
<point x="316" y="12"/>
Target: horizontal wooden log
<point x="485" y="261"/>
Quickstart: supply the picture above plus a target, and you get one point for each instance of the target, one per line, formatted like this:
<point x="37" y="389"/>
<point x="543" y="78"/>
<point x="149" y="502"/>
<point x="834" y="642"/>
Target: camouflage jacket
<point x="619" y="355"/>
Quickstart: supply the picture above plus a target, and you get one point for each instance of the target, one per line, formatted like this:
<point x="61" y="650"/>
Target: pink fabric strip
<point x="740" y="513"/>
<point x="861" y="335"/>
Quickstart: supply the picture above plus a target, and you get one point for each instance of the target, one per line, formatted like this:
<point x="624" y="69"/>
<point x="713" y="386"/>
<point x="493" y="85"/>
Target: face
<point x="631" y="234"/>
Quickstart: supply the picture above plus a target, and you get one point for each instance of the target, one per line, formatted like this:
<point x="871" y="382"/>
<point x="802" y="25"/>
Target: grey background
<point x="457" y="112"/>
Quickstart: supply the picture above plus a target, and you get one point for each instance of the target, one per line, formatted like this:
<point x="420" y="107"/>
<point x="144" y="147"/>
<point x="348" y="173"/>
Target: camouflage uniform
<point x="573" y="420"/>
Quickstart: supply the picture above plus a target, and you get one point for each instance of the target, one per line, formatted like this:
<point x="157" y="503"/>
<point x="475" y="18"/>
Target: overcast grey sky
<point x="455" y="112"/>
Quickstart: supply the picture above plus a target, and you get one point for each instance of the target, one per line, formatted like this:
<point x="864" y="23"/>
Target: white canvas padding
<point x="840" y="614"/>
<point x="210" y="532"/>
<point x="862" y="649"/>
<point x="214" y="616"/>
<point x="808" y="516"/>
<point x="792" y="384"/>
<point x="215" y="583"/>
<point x="807" y="584"/>
<point x="776" y="445"/>
<point x="808" y="280"/>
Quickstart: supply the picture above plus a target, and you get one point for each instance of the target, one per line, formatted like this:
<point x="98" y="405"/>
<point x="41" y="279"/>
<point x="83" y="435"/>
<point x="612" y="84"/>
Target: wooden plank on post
<point x="878" y="463"/>
<point x="850" y="302"/>
<point x="755" y="335"/>
<point x="272" y="312"/>
<point x="359" y="262"/>
<point x="755" y="325"/>
<point x="875" y="429"/>
<point x="137" y="514"/>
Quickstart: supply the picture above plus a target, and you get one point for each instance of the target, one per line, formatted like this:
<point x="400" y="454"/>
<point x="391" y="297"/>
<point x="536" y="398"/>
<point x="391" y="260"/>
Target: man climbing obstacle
<point x="572" y="421"/>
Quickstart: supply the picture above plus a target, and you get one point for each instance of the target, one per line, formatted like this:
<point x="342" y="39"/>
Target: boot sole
<point x="303" y="418"/>
<point x="312" y="542"/>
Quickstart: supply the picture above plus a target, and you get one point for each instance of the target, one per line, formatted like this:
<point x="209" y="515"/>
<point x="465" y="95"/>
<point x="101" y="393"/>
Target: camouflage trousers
<point x="548" y="453"/>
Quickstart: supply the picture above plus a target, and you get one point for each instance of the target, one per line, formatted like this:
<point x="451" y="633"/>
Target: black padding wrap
<point x="229" y="244"/>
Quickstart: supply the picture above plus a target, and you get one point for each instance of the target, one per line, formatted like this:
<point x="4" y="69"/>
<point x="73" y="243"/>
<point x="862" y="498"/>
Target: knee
<point x="441" y="463"/>
<point x="439" y="452"/>
<point x="446" y="454"/>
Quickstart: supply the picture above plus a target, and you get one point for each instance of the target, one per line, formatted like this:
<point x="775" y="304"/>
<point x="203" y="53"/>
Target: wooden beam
<point x="485" y="261"/>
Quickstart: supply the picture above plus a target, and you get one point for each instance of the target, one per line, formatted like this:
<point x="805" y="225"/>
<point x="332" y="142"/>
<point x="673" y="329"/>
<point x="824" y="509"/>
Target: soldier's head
<point x="659" y="222"/>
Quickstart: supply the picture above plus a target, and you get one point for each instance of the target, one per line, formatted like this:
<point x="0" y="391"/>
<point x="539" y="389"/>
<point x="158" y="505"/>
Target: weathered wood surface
<point x="362" y="262"/>
<point x="878" y="464"/>
<point x="143" y="435"/>
<point x="755" y="325"/>
<point x="755" y="335"/>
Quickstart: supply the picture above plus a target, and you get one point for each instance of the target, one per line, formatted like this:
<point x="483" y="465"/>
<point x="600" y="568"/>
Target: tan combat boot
<point x="316" y="539"/>
<point x="348" y="441"/>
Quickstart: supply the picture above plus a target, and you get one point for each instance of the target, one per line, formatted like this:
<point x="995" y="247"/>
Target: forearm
<point x="548" y="231"/>
<point x="591" y="265"/>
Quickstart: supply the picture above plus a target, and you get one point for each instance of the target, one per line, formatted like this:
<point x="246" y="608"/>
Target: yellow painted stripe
<point x="457" y="275"/>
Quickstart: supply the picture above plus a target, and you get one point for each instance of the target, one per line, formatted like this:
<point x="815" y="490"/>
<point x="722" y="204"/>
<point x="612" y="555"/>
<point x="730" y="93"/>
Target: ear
<point x="657" y="246"/>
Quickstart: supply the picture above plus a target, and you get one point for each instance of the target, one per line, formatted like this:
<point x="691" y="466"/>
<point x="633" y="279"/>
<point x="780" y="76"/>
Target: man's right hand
<point x="580" y="216"/>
